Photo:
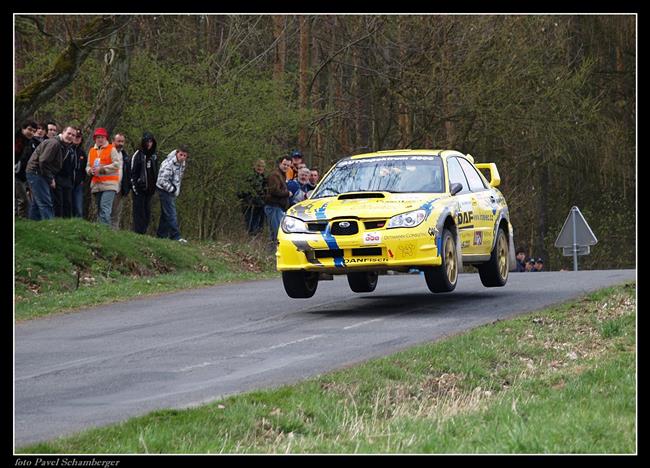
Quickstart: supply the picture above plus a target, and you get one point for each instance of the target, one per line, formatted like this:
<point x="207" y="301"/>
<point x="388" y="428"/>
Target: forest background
<point x="551" y="99"/>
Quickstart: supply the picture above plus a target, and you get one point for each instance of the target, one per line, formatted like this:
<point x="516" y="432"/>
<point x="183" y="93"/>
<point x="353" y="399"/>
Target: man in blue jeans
<point x="45" y="162"/>
<point x="169" y="187"/>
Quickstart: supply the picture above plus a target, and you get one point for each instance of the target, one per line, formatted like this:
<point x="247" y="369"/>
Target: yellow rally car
<point x="431" y="210"/>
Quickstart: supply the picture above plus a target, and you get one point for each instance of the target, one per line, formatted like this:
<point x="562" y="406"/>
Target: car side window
<point x="456" y="175"/>
<point x="475" y="182"/>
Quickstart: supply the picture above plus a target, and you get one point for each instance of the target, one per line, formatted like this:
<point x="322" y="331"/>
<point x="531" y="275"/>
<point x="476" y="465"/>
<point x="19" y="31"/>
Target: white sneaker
<point x="182" y="241"/>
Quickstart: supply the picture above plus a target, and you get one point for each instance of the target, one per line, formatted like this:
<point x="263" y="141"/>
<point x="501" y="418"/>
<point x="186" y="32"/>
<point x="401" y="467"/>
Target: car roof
<point x="407" y="152"/>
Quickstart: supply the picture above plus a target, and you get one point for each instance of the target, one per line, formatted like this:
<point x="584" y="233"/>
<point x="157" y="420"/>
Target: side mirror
<point x="455" y="188"/>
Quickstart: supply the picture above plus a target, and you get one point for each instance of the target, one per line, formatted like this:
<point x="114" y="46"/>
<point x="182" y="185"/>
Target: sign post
<point x="575" y="237"/>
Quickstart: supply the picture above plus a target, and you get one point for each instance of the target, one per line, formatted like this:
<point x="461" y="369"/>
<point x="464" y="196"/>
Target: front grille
<point x="374" y="224"/>
<point x="328" y="253"/>
<point x="367" y="252"/>
<point x="344" y="228"/>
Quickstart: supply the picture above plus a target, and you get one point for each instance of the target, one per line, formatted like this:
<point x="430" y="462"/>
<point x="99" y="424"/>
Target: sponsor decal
<point x="433" y="232"/>
<point x="464" y="217"/>
<point x="484" y="217"/>
<point x="406" y="250"/>
<point x="478" y="238"/>
<point x="412" y="235"/>
<point x="350" y="162"/>
<point x="372" y="238"/>
<point x="365" y="260"/>
<point x="390" y="253"/>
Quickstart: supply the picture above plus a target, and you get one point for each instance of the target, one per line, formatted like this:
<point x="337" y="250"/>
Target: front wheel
<point x="494" y="273"/>
<point x="444" y="277"/>
<point x="363" y="281"/>
<point x="300" y="284"/>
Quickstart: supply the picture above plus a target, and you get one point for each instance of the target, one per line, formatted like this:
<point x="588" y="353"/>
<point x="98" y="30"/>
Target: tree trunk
<point x="303" y="101"/>
<point x="279" y="23"/>
<point x="113" y="94"/>
<point x="67" y="65"/>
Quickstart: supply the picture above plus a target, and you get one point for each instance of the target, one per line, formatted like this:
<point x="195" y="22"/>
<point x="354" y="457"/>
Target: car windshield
<point x="396" y="174"/>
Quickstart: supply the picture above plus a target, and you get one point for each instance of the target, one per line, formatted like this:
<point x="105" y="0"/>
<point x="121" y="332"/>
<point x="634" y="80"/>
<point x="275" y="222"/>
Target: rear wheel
<point x="365" y="281"/>
<point x="444" y="277"/>
<point x="300" y="284"/>
<point x="494" y="273"/>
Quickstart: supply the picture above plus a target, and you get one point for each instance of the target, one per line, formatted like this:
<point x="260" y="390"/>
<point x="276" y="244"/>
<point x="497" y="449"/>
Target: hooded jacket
<point x="171" y="174"/>
<point x="144" y="167"/>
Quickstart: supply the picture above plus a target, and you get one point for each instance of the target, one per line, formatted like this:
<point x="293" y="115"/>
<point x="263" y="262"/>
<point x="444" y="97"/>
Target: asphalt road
<point x="108" y="363"/>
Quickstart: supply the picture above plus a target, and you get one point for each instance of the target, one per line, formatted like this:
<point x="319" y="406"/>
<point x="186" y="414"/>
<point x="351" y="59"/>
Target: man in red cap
<point x="104" y="163"/>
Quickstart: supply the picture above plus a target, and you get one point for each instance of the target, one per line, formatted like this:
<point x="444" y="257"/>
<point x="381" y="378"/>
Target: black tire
<point x="444" y="278"/>
<point x="300" y="284"/>
<point x="494" y="273"/>
<point x="365" y="281"/>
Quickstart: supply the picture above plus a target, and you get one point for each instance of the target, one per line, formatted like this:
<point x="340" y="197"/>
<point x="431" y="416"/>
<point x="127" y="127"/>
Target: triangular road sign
<point x="583" y="233"/>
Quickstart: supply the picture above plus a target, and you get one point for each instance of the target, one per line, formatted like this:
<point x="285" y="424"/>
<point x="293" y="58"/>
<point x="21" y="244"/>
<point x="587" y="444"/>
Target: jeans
<point x="168" y="225"/>
<point x="274" y="214"/>
<point x="41" y="206"/>
<point x="116" y="211"/>
<point x="78" y="201"/>
<point x="62" y="197"/>
<point x="104" y="202"/>
<point x="141" y="212"/>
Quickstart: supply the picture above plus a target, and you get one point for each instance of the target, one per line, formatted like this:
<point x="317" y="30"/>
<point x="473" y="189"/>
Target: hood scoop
<point x="348" y="196"/>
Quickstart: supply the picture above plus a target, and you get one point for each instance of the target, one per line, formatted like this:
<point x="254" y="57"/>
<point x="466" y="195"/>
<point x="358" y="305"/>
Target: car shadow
<point x="419" y="304"/>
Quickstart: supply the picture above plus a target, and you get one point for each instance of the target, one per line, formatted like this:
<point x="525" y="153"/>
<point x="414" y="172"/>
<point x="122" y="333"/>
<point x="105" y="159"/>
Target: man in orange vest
<point x="104" y="165"/>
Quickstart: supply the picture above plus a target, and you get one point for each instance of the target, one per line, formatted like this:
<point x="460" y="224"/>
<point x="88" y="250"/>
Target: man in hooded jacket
<point x="144" y="173"/>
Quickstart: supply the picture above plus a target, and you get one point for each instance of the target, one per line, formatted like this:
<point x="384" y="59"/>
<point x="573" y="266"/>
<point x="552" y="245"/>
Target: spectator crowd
<point x="53" y="175"/>
<point x="53" y="171"/>
<point x="531" y="264"/>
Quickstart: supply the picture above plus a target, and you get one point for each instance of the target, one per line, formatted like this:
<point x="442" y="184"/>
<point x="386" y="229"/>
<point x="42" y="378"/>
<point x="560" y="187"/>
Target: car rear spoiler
<point x="495" y="178"/>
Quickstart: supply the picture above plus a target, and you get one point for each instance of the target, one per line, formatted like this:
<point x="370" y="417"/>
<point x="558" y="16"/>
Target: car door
<point x="464" y="205"/>
<point x="482" y="208"/>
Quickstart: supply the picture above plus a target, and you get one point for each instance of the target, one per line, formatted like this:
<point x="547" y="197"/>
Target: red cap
<point x="100" y="132"/>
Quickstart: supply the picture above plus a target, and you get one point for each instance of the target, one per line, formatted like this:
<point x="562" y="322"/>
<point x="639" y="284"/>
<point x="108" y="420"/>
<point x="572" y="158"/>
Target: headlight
<point x="291" y="225"/>
<point x="407" y="220"/>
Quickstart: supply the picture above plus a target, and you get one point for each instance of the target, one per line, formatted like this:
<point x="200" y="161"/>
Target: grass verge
<point x="65" y="264"/>
<point x="560" y="380"/>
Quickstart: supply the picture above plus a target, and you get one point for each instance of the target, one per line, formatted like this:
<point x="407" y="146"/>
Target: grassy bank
<point x="64" y="264"/>
<point x="560" y="380"/>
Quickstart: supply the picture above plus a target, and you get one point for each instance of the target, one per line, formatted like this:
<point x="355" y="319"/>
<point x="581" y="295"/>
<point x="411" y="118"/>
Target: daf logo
<point x="344" y="225"/>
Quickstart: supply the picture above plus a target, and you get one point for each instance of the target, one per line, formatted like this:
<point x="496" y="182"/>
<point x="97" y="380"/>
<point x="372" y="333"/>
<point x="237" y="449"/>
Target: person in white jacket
<point x="169" y="187"/>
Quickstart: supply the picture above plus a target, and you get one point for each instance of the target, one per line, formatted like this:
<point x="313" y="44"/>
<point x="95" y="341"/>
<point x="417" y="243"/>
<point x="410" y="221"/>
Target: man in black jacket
<point x="62" y="193"/>
<point x="24" y="146"/>
<point x="144" y="172"/>
<point x="78" y="175"/>
<point x="252" y="198"/>
<point x="125" y="181"/>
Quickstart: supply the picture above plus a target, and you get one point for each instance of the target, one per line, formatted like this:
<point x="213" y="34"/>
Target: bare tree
<point x="67" y="65"/>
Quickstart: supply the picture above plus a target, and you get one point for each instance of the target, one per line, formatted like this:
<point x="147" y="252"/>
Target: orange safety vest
<point x="104" y="155"/>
